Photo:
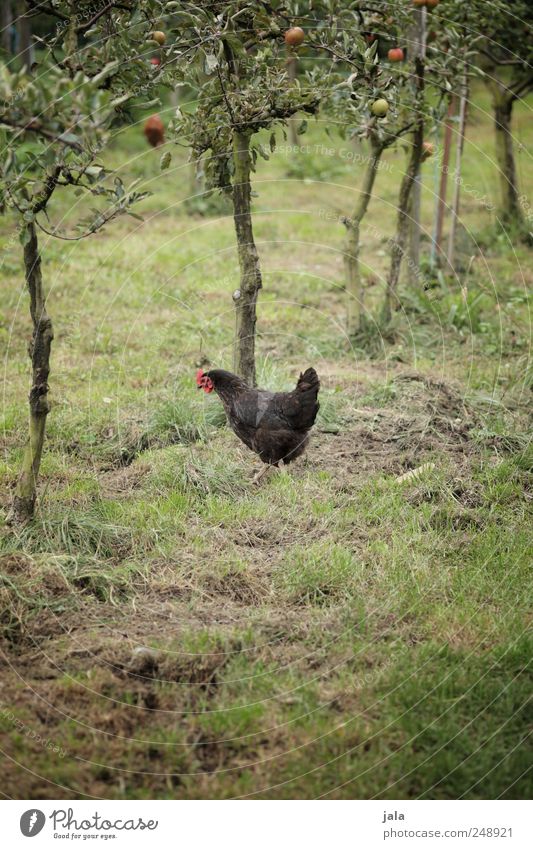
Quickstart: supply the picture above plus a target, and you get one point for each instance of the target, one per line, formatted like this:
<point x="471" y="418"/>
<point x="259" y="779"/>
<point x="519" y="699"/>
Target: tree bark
<point x="245" y="297"/>
<point x="39" y="350"/>
<point x="443" y="184"/>
<point x="25" y="54"/>
<point x="402" y="227"/>
<point x="458" y="165"/>
<point x="354" y="287"/>
<point x="5" y="26"/>
<point x="292" y="68"/>
<point x="502" y="104"/>
<point x="418" y="45"/>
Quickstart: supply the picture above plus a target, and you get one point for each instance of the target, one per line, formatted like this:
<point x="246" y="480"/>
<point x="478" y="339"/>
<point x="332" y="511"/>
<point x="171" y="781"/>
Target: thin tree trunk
<point x="39" y="350"/>
<point x="5" y="26"/>
<point x="458" y="163"/>
<point x="402" y="227"/>
<point x="441" y="199"/>
<point x="25" y="54"/>
<point x="354" y="287"/>
<point x="502" y="104"/>
<point x="292" y="67"/>
<point x="246" y="296"/>
<point x="419" y="49"/>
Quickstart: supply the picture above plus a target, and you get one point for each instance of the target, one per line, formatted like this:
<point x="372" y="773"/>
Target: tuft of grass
<point x="69" y="530"/>
<point x="317" y="574"/>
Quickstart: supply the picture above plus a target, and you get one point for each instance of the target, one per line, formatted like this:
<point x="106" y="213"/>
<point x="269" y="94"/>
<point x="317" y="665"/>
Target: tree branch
<point x="47" y="134"/>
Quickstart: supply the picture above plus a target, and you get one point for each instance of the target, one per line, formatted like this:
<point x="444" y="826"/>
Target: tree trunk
<point x="418" y="45"/>
<point x="443" y="184"/>
<point x="25" y="54"/>
<point x="5" y="26"/>
<point x="354" y="287"/>
<point x="458" y="165"/>
<point x="39" y="350"/>
<point x="502" y="104"/>
<point x="402" y="226"/>
<point x="245" y="297"/>
<point x="292" y="67"/>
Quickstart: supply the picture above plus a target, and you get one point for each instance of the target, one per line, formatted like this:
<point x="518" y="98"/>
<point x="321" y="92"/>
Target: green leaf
<point x="211" y="62"/>
<point x="69" y="138"/>
<point x="24" y="236"/>
<point x="165" y="160"/>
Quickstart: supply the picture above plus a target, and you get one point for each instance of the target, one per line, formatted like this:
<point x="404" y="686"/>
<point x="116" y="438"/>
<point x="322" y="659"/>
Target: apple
<point x="428" y="149"/>
<point x="395" y="54"/>
<point x="159" y="36"/>
<point x="380" y="107"/>
<point x="419" y="2"/>
<point x="155" y="60"/>
<point x="294" y="36"/>
<point x="432" y="3"/>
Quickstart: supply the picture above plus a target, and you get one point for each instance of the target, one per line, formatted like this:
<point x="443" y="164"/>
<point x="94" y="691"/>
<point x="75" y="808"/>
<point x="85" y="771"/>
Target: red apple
<point x="395" y="54"/>
<point x="294" y="36"/>
<point x="155" y="60"/>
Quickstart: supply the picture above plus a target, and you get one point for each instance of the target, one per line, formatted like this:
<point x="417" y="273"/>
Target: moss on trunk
<point x="402" y="227"/>
<point x="39" y="350"/>
<point x="502" y="104"/>
<point x="354" y="285"/>
<point x="250" y="284"/>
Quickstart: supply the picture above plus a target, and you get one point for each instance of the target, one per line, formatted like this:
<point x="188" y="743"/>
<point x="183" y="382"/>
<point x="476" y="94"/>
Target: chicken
<point x="154" y="130"/>
<point x="275" y="425"/>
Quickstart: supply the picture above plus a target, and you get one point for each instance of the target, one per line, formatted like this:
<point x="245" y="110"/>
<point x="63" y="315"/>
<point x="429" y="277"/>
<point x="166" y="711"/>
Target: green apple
<point x="380" y="107"/>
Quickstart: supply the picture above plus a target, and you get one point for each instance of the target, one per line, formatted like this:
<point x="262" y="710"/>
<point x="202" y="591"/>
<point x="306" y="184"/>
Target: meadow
<point x="170" y="629"/>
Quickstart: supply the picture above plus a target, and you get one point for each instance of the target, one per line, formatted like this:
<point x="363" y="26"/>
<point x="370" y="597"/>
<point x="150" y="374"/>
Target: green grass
<point x="328" y="632"/>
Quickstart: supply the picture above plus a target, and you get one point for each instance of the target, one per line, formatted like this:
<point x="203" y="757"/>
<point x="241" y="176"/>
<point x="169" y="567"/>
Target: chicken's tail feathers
<point x="308" y="382"/>
<point x="307" y="394"/>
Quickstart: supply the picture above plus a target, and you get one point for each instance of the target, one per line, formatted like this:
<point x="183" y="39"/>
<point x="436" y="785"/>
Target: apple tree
<point x="234" y="55"/>
<point x="372" y="113"/>
<point x="53" y="128"/>
<point x="432" y="71"/>
<point x="502" y="33"/>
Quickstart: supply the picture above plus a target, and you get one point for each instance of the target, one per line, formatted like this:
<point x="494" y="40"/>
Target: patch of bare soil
<point x="123" y="480"/>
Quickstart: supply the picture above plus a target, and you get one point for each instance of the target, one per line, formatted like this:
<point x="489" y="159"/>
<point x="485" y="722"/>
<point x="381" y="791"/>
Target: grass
<point x="174" y="630"/>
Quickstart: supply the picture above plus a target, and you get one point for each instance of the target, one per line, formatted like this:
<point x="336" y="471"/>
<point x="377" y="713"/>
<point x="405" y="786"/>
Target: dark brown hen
<point x="273" y="424"/>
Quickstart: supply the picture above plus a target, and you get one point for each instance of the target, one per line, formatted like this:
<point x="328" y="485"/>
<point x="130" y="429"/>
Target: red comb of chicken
<point x="199" y="375"/>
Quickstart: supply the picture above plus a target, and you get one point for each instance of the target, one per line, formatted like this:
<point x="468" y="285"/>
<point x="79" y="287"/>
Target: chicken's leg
<point x="258" y="475"/>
